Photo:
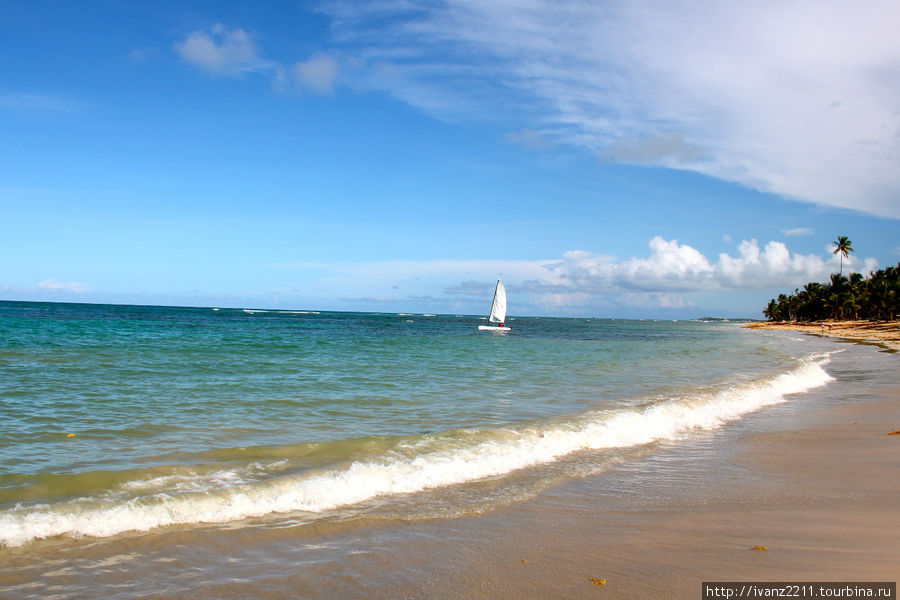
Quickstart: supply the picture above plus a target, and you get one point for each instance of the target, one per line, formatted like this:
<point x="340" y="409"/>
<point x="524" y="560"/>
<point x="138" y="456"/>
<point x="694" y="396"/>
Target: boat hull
<point x="493" y="328"/>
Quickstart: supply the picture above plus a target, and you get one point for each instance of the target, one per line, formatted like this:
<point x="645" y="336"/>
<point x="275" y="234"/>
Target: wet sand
<point x="883" y="332"/>
<point x="823" y="500"/>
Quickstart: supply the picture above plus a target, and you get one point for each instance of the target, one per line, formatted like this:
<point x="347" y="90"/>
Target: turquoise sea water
<point x="118" y="419"/>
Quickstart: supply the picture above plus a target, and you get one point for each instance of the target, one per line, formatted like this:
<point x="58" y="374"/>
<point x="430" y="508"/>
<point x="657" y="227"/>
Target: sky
<point x="604" y="158"/>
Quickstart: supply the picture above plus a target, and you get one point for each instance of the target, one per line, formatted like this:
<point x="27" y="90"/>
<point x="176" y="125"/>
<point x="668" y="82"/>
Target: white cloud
<point x="794" y="97"/>
<point x="675" y="267"/>
<point x="670" y="266"/>
<point x="665" y="278"/>
<point x="770" y="266"/>
<point x="317" y="73"/>
<point x="667" y="148"/>
<point x="69" y="287"/>
<point x="797" y="231"/>
<point x="221" y="51"/>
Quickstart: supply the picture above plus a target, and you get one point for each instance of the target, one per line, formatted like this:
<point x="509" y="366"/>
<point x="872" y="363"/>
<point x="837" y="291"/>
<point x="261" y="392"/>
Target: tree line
<point x="876" y="297"/>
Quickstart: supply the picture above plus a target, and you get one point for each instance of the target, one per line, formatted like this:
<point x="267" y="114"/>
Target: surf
<point x="398" y="466"/>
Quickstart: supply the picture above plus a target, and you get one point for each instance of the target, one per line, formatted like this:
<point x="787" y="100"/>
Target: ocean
<point x="125" y="429"/>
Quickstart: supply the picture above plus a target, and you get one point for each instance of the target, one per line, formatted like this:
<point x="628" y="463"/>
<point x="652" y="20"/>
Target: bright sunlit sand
<point x="882" y="332"/>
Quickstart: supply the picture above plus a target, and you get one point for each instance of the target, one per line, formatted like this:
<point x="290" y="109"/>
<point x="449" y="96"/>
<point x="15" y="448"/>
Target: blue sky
<point x="613" y="159"/>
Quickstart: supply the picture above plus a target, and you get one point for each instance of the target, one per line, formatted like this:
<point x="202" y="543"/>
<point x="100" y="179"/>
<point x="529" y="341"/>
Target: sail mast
<point x="498" y="306"/>
<point x="498" y="310"/>
<point x="493" y="305"/>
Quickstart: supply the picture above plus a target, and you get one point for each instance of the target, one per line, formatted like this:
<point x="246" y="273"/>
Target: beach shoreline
<point x="812" y="502"/>
<point x="886" y="333"/>
<point x="802" y="491"/>
<point x="813" y="480"/>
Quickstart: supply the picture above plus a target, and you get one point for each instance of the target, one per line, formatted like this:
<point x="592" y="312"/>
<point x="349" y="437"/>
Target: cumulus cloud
<point x="773" y="265"/>
<point x="664" y="278"/>
<point x="672" y="272"/>
<point x="221" y="51"/>
<point x="670" y="266"/>
<point x="675" y="267"/>
<point x="794" y="97"/>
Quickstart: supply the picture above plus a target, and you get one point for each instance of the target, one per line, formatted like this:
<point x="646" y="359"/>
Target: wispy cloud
<point x="782" y="96"/>
<point x="797" y="231"/>
<point x="221" y="51"/>
<point x="37" y="102"/>
<point x="68" y="287"/>
<point x="317" y="73"/>
<point x="529" y="138"/>
<point x="668" y="148"/>
<point x="233" y="52"/>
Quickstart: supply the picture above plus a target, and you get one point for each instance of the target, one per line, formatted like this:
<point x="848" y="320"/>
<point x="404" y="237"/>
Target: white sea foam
<point x="186" y="480"/>
<point x="452" y="460"/>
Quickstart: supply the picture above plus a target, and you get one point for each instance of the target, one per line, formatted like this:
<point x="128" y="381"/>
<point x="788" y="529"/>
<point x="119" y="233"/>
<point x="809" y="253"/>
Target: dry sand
<point x="883" y="332"/>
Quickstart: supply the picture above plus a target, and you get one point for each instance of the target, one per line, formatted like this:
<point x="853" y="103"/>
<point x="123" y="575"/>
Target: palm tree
<point x="843" y="245"/>
<point x="874" y="297"/>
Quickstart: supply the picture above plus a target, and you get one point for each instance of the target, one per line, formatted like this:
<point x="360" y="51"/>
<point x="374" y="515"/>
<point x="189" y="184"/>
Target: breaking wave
<point x="410" y="465"/>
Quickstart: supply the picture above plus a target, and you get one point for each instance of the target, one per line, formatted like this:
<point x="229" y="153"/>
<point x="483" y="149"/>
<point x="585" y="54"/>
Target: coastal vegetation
<point x="876" y="297"/>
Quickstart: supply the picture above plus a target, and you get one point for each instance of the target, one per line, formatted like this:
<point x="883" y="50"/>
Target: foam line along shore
<point x="144" y="427"/>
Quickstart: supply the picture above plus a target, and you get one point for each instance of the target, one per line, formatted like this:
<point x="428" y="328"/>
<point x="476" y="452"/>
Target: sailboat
<point x="498" y="311"/>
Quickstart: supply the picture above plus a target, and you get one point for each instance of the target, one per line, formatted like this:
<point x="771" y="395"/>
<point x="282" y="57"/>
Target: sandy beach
<point x="882" y="332"/>
<point x="821" y="499"/>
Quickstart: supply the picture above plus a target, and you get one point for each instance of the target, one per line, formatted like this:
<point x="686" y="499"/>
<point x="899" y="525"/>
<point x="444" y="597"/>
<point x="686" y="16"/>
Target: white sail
<point x="498" y="308"/>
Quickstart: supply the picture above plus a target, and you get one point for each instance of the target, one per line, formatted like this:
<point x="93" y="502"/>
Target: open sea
<point x="122" y="425"/>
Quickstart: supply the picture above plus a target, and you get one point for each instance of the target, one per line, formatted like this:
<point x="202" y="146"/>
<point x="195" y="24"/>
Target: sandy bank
<point x="883" y="332"/>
